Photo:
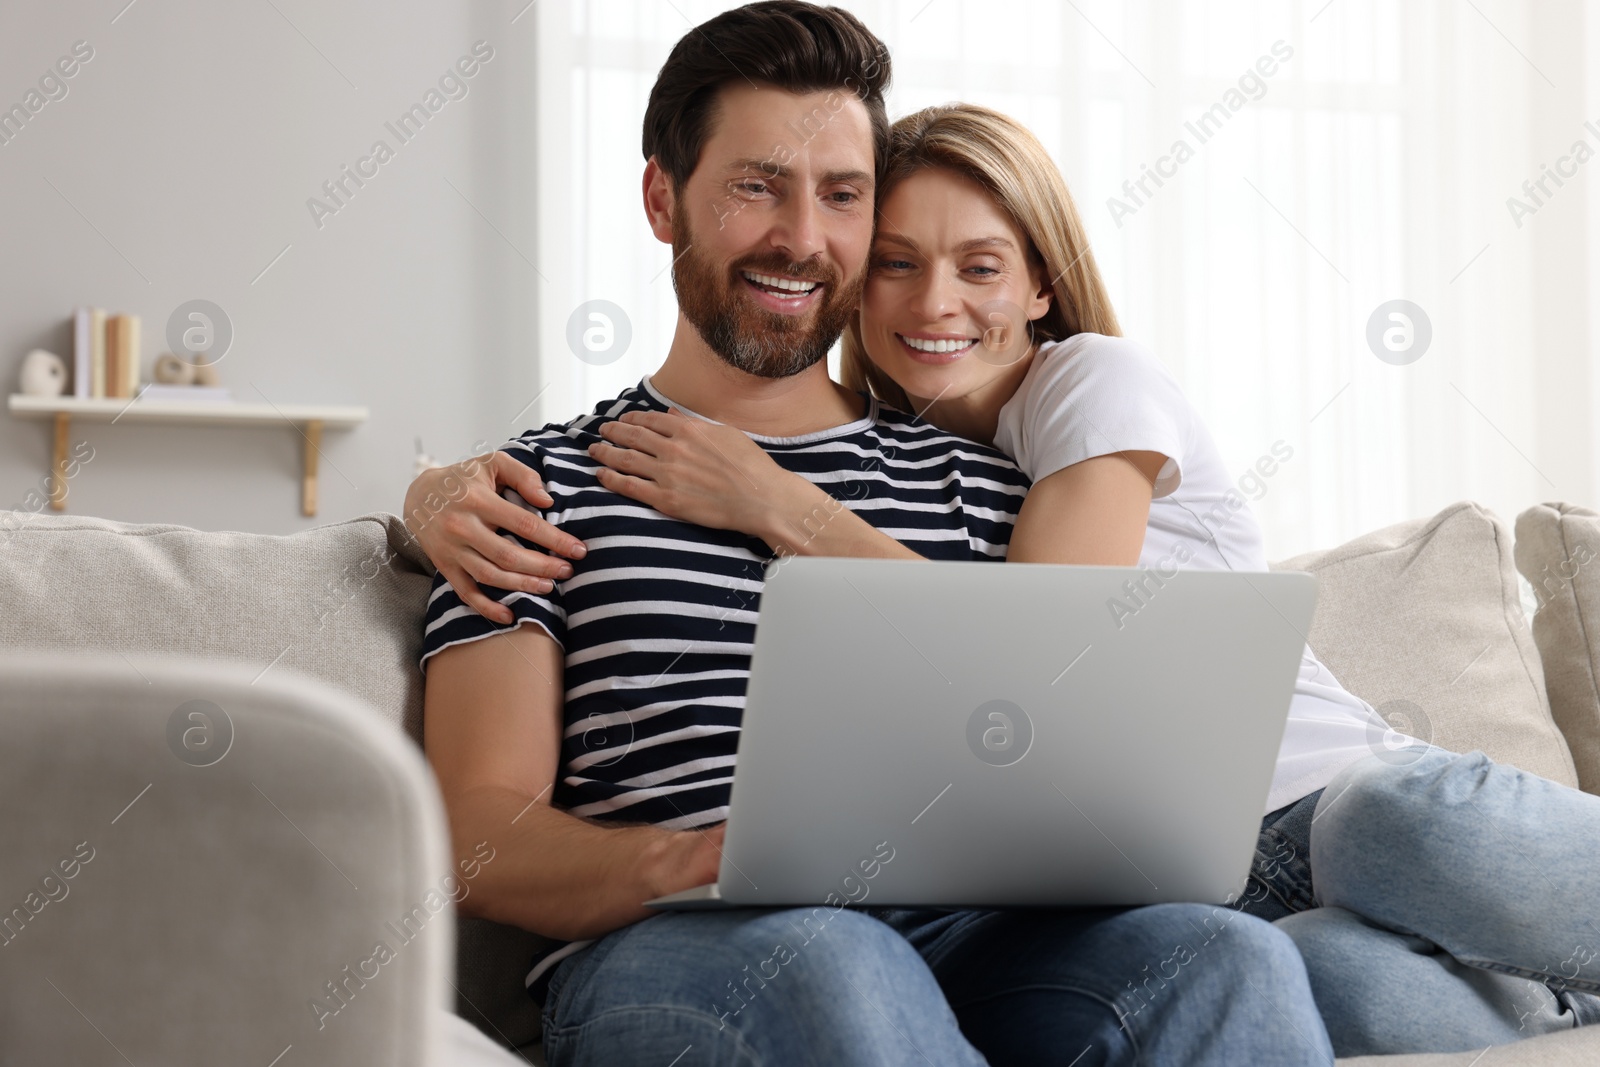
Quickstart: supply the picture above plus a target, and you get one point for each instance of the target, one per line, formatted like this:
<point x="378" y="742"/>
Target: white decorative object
<point x="43" y="374"/>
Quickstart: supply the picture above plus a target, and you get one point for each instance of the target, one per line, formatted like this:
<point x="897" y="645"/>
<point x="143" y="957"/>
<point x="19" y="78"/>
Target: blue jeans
<point x="790" y="987"/>
<point x="1442" y="902"/>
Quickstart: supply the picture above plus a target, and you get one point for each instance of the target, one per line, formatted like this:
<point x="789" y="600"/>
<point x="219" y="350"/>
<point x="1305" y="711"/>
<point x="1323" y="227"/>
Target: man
<point x="595" y="744"/>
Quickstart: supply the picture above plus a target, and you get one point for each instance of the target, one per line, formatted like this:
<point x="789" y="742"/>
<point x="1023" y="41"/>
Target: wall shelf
<point x="309" y="419"/>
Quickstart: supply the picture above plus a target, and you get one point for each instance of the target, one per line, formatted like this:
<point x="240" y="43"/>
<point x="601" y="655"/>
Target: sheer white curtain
<point x="1335" y="156"/>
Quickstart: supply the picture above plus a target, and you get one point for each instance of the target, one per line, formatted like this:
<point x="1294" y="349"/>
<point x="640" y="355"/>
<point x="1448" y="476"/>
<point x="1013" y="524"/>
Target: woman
<point x="1432" y="879"/>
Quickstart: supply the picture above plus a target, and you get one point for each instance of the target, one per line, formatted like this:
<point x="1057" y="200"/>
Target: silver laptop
<point x="984" y="735"/>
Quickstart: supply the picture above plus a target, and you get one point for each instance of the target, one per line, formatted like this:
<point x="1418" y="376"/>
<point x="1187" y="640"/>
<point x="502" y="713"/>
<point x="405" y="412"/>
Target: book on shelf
<point x="89" y="352"/>
<point x="164" y="391"/>
<point x="98" y="339"/>
<point x="113" y="357"/>
<point x="122" y="356"/>
<point x="105" y="354"/>
<point x="82" y="357"/>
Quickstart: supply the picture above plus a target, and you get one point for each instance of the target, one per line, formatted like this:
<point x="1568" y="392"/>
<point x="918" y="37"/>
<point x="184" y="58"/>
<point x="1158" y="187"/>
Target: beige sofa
<point x="1425" y="620"/>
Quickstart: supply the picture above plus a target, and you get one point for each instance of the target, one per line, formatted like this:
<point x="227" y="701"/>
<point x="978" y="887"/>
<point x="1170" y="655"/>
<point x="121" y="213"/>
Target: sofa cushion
<point x="339" y="602"/>
<point x="1558" y="551"/>
<point x="1424" y="621"/>
<point x="342" y="602"/>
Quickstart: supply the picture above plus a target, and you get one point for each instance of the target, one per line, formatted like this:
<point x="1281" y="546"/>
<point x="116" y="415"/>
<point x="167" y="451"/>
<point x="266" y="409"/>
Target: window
<point x="1341" y="155"/>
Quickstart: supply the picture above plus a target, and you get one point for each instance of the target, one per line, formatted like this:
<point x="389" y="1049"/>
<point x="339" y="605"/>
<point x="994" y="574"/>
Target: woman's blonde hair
<point x="1003" y="156"/>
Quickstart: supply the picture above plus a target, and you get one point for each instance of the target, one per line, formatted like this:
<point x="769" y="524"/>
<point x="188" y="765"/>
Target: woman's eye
<point x="986" y="270"/>
<point x="892" y="264"/>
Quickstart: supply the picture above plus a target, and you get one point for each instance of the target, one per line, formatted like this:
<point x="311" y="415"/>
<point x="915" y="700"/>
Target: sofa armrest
<point x="199" y="869"/>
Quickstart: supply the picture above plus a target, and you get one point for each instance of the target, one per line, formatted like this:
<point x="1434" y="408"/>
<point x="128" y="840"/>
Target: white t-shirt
<point x="1092" y="395"/>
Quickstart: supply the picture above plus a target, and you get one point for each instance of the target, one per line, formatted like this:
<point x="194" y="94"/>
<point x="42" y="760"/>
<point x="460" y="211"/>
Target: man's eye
<point x="843" y="198"/>
<point x="753" y="188"/>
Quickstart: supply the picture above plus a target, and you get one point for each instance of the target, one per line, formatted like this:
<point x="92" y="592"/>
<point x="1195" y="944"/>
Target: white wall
<point x="191" y="142"/>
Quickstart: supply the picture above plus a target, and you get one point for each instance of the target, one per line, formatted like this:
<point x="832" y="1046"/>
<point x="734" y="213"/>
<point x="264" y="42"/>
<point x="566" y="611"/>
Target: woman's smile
<point x="935" y="348"/>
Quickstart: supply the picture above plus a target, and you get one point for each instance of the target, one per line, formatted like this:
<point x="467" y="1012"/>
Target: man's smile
<point x="786" y="296"/>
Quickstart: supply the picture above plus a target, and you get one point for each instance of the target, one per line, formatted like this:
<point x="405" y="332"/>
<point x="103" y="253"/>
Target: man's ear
<point x="658" y="200"/>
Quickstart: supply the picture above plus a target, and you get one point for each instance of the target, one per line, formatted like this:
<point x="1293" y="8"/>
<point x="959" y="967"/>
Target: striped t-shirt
<point x="658" y="619"/>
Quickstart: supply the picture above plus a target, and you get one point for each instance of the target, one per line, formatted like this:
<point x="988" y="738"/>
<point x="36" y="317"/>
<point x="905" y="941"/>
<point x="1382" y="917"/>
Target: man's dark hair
<point x="796" y="46"/>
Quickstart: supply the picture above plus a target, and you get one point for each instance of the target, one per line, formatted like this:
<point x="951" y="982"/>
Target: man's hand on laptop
<point x="686" y="858"/>
<point x="459" y="518"/>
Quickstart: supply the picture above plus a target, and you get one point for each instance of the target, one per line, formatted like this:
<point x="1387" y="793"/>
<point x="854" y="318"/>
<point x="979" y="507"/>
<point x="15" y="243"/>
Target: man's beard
<point x="749" y="337"/>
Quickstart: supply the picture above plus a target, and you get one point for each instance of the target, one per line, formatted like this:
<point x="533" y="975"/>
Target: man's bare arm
<point x="492" y="715"/>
